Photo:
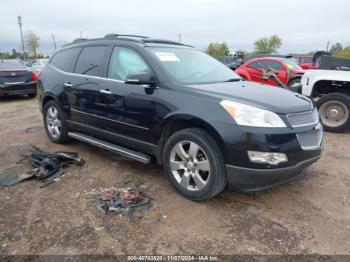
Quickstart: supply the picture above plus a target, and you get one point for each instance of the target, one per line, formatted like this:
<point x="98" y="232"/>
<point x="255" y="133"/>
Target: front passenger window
<point x="125" y="61"/>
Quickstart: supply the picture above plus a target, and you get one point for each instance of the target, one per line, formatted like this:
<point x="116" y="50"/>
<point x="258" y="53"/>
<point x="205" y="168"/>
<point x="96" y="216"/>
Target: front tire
<point x="55" y="122"/>
<point x="334" y="111"/>
<point x="194" y="164"/>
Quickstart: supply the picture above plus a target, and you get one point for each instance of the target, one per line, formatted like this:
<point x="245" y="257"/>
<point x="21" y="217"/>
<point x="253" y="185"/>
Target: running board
<point x="111" y="147"/>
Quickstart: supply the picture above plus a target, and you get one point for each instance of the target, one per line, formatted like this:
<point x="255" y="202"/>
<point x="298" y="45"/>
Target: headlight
<point x="246" y="115"/>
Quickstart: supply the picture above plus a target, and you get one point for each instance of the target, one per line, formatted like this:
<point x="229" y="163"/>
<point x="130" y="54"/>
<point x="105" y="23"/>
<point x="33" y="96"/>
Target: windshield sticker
<point x="167" y="57"/>
<point x="290" y="66"/>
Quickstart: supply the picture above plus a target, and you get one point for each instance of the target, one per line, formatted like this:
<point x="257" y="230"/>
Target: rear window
<point x="65" y="59"/>
<point x="91" y="60"/>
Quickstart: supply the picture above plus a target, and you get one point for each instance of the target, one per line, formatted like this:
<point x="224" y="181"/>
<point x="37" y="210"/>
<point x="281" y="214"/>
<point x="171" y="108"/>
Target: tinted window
<point x="275" y="65"/>
<point x="91" y="61"/>
<point x="125" y="61"/>
<point x="257" y="64"/>
<point x="264" y="64"/>
<point x="65" y="60"/>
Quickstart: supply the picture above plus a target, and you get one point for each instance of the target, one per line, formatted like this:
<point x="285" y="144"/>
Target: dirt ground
<point x="307" y="216"/>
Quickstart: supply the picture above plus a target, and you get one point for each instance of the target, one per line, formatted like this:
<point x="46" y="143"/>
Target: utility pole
<point x="54" y="41"/>
<point x="19" y="18"/>
<point x="180" y="38"/>
<point x="328" y="45"/>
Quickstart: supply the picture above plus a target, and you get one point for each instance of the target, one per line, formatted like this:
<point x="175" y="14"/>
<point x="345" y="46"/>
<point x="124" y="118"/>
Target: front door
<point x="126" y="109"/>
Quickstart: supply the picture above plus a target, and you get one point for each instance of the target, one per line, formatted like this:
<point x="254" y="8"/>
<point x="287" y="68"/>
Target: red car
<point x="288" y="72"/>
<point x="306" y="62"/>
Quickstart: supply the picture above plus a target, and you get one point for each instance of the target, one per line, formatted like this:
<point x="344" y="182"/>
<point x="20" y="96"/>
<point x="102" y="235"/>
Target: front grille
<point x="303" y="119"/>
<point x="311" y="140"/>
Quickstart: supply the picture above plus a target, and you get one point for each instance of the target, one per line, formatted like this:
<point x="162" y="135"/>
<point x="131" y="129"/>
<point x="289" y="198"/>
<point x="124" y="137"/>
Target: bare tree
<point x="32" y="42"/>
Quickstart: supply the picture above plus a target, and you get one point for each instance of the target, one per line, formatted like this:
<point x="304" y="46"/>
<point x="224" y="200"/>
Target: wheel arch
<point x="327" y="86"/>
<point x="46" y="98"/>
<point x="178" y="122"/>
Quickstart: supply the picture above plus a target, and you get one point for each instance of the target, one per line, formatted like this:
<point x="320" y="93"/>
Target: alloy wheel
<point x="53" y="122"/>
<point x="190" y="165"/>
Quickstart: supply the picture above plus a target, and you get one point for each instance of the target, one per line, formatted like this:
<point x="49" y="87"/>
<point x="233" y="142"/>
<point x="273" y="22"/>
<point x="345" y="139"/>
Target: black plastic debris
<point x="125" y="200"/>
<point x="47" y="166"/>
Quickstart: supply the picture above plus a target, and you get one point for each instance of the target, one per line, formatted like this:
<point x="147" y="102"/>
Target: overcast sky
<point x="303" y="25"/>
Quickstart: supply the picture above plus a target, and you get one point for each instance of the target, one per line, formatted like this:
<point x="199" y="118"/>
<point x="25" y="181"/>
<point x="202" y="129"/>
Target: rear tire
<point x="334" y="111"/>
<point x="55" y="122"/>
<point x="197" y="171"/>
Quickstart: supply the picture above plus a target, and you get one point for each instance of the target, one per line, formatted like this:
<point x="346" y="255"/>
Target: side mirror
<point x="141" y="78"/>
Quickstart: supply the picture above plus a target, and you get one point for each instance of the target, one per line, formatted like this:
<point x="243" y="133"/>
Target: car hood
<point x="268" y="97"/>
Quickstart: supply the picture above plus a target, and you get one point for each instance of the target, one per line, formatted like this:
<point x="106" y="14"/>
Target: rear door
<point x="82" y="88"/>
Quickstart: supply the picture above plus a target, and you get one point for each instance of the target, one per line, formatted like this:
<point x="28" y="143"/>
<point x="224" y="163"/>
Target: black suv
<point x="149" y="98"/>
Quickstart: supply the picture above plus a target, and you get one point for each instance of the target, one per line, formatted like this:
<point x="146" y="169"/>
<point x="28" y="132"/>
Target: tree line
<point x="32" y="43"/>
<point x="269" y="45"/>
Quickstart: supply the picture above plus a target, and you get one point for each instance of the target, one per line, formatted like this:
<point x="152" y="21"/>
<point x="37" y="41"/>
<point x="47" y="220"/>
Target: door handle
<point x="105" y="91"/>
<point x="67" y="84"/>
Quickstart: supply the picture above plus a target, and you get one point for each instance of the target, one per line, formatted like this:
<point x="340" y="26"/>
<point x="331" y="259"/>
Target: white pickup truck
<point x="331" y="91"/>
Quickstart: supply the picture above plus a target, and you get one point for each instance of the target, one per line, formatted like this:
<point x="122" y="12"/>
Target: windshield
<point x="190" y="66"/>
<point x="291" y="64"/>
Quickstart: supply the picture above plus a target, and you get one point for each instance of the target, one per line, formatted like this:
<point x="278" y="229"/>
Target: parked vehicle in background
<point x="143" y="97"/>
<point x="288" y="72"/>
<point x="37" y="65"/>
<point x="331" y="90"/>
<point x="306" y="62"/>
<point x="253" y="56"/>
<point x="17" y="79"/>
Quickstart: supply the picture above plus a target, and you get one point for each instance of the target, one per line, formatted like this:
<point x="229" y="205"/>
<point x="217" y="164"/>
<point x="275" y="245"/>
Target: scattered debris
<point x="125" y="200"/>
<point x="47" y="166"/>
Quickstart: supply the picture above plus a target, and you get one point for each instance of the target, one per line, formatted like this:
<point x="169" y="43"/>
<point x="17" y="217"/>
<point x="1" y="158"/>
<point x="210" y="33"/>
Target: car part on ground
<point x="331" y="91"/>
<point x="124" y="200"/>
<point x="148" y="98"/>
<point x="47" y="166"/>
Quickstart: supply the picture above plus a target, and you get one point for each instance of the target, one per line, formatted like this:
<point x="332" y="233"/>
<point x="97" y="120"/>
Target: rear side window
<point x="91" y="61"/>
<point x="65" y="60"/>
<point x="266" y="64"/>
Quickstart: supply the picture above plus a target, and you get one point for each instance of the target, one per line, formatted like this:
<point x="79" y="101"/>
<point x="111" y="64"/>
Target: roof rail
<point x="78" y="40"/>
<point x="113" y="36"/>
<point x="161" y="41"/>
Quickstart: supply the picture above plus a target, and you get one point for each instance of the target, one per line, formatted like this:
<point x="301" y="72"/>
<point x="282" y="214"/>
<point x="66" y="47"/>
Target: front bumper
<point x="302" y="146"/>
<point x="20" y="89"/>
<point x="249" y="179"/>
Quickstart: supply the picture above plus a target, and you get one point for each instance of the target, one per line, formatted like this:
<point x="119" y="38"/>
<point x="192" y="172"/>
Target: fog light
<point x="267" y="157"/>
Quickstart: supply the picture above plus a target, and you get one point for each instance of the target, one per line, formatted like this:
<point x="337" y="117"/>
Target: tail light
<point x="35" y="76"/>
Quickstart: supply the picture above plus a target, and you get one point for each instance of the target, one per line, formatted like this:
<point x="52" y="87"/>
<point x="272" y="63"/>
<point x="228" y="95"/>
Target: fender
<point x="311" y="77"/>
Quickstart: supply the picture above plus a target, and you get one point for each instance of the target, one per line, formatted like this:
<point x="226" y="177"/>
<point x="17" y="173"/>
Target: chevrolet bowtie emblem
<point x="13" y="74"/>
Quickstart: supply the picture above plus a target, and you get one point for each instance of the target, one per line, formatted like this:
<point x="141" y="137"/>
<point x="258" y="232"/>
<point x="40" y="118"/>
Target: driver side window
<point x="125" y="61"/>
